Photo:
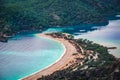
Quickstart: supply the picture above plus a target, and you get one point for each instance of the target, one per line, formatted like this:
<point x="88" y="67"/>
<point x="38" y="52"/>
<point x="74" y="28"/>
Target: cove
<point x="104" y="34"/>
<point x="26" y="54"/>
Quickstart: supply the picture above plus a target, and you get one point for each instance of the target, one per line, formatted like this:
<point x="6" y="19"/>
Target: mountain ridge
<point x="18" y="15"/>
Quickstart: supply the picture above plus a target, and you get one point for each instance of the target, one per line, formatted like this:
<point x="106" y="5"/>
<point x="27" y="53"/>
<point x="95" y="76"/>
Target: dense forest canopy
<point x="17" y="15"/>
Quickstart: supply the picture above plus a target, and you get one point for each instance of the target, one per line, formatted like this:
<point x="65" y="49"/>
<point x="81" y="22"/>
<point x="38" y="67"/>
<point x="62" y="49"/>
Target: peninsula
<point x="82" y="59"/>
<point x="60" y="64"/>
<point x="80" y="55"/>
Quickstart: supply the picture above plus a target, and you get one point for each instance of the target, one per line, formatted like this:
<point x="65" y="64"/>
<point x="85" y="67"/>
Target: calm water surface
<point x="26" y="54"/>
<point x="107" y="35"/>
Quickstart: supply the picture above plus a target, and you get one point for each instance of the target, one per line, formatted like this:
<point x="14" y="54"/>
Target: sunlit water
<point x="107" y="35"/>
<point x="26" y="54"/>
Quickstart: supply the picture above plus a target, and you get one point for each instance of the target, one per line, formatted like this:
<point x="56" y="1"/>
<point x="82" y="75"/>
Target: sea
<point x="25" y="54"/>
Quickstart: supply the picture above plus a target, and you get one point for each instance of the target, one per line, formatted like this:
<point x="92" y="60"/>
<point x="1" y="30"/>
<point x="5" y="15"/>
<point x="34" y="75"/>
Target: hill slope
<point x="16" y="15"/>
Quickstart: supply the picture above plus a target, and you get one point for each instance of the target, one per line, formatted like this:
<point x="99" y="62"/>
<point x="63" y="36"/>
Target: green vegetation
<point x="101" y="73"/>
<point x="89" y="45"/>
<point x="39" y="14"/>
<point x="103" y="54"/>
<point x="98" y="64"/>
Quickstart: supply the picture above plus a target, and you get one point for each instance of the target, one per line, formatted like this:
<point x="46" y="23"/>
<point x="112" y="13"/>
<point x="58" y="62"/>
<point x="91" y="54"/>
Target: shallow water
<point x="26" y="54"/>
<point x="104" y="34"/>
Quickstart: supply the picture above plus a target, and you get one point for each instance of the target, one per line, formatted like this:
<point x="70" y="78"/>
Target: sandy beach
<point x="62" y="63"/>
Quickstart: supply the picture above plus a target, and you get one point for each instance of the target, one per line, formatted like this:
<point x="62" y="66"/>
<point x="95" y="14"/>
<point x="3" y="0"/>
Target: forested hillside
<point x="17" y="15"/>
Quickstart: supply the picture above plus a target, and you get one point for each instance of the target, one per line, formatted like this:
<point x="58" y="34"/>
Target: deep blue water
<point x="104" y="34"/>
<point x="26" y="54"/>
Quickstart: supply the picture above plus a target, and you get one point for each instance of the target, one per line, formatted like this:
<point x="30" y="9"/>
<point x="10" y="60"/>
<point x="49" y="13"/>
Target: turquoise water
<point x="104" y="34"/>
<point x="26" y="54"/>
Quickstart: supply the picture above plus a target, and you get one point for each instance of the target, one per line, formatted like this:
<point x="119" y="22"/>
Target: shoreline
<point x="59" y="64"/>
<point x="50" y="64"/>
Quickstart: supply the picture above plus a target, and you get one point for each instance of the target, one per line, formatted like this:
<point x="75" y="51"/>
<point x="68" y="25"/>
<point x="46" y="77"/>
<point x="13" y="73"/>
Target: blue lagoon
<point x="26" y="54"/>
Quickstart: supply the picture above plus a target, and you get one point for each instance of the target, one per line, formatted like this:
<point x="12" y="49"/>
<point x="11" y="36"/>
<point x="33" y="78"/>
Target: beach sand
<point x="62" y="63"/>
